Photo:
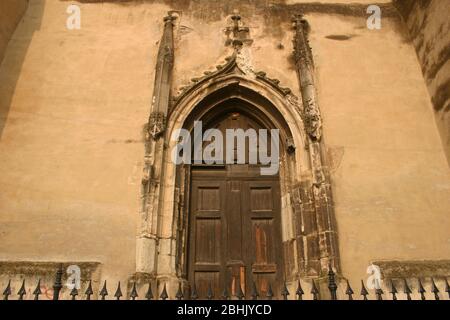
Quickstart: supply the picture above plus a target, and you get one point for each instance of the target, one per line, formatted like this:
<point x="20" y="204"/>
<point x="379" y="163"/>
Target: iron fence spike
<point x="134" y="293"/>
<point x="37" y="291"/>
<point x="421" y="289"/>
<point x="74" y="293"/>
<point x="349" y="291"/>
<point x="299" y="292"/>
<point x="447" y="288"/>
<point x="57" y="286"/>
<point x="364" y="291"/>
<point x="89" y="291"/>
<point x="254" y="294"/>
<point x="194" y="293"/>
<point x="314" y="291"/>
<point x="393" y="290"/>
<point x="379" y="292"/>
<point x="118" y="293"/>
<point x="7" y="291"/>
<point x="269" y="294"/>
<point x="285" y="291"/>
<point x="225" y="293"/>
<point x="104" y="291"/>
<point x="210" y="293"/>
<point x="22" y="290"/>
<point x="332" y="286"/>
<point x="179" y="295"/>
<point x="240" y="294"/>
<point x="164" y="294"/>
<point x="434" y="289"/>
<point x="407" y="289"/>
<point x="149" y="294"/>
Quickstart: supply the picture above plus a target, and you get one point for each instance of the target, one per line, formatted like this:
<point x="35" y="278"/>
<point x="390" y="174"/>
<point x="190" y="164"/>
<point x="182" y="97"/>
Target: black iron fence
<point x="253" y="294"/>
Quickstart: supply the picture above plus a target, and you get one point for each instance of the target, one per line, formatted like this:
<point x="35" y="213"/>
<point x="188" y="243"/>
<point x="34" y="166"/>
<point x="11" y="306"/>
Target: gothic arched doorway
<point x="234" y="235"/>
<point x="307" y="241"/>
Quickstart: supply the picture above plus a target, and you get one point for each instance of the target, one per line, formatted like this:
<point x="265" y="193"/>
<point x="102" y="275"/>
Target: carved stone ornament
<point x="244" y="61"/>
<point x="236" y="64"/>
<point x="290" y="145"/>
<point x="312" y="120"/>
<point x="295" y="102"/>
<point x="168" y="55"/>
<point x="305" y="68"/>
<point x="237" y="35"/>
<point x="240" y="62"/>
<point x="302" y="49"/>
<point x="156" y="124"/>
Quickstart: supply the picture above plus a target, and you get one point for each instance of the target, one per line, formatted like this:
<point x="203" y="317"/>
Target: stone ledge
<point x="392" y="269"/>
<point x="89" y="269"/>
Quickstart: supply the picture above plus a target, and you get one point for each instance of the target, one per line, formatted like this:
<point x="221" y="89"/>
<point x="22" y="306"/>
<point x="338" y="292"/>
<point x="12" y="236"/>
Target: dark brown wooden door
<point x="234" y="235"/>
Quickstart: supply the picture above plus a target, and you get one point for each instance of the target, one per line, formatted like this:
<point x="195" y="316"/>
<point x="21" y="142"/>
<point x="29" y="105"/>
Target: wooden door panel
<point x="264" y="242"/>
<point x="261" y="198"/>
<point x="208" y="198"/>
<point x="207" y="246"/>
<point x="206" y="238"/>
<point x="234" y="222"/>
<point x="235" y="235"/>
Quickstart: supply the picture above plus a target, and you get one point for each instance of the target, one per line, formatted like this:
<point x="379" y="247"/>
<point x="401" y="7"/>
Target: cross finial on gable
<point x="237" y="34"/>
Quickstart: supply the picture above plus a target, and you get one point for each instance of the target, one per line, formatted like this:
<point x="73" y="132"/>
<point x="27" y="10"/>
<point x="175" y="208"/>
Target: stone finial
<point x="238" y="36"/>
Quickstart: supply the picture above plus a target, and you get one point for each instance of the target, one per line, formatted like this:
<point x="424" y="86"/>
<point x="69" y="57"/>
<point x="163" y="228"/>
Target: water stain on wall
<point x="340" y="37"/>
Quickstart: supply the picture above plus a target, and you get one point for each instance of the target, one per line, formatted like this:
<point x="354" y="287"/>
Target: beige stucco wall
<point x="74" y="104"/>
<point x="11" y="12"/>
<point x="429" y="29"/>
<point x="391" y="182"/>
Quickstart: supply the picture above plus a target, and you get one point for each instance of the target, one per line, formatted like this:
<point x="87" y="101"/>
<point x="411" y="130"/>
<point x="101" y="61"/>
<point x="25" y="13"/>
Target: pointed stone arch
<point x="277" y="104"/>
<point x="236" y="80"/>
<point x="308" y="230"/>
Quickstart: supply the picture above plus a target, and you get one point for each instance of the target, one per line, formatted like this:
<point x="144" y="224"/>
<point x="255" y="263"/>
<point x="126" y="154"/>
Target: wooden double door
<point x="234" y="232"/>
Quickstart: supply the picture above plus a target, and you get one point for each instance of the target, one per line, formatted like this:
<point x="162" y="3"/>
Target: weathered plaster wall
<point x="429" y="28"/>
<point x="11" y="12"/>
<point x="390" y="177"/>
<point x="74" y="104"/>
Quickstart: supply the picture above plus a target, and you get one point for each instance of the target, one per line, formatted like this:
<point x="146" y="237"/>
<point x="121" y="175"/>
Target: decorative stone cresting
<point x="232" y="66"/>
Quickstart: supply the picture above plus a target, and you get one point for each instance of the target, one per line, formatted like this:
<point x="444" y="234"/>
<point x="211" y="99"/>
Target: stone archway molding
<point x="309" y="231"/>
